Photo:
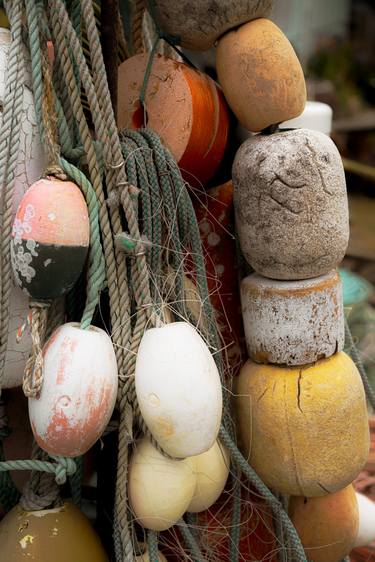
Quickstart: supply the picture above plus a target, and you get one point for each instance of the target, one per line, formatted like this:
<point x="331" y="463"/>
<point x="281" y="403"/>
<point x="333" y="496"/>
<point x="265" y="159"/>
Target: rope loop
<point x="65" y="467"/>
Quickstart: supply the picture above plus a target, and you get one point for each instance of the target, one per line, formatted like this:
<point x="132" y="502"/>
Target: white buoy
<point x="366" y="530"/>
<point x="178" y="389"/>
<point x="316" y="116"/>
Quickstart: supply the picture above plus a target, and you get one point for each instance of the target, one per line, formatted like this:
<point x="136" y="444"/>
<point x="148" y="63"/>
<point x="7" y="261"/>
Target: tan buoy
<point x="260" y="74"/>
<point x="304" y="430"/>
<point x="293" y="322"/>
<point x="291" y="204"/>
<point x="197" y="24"/>
<point x="183" y="106"/>
<point x="61" y="534"/>
<point x="145" y="557"/>
<point x="327" y="526"/>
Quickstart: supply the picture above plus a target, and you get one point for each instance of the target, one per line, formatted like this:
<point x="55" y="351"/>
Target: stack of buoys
<point x="299" y="393"/>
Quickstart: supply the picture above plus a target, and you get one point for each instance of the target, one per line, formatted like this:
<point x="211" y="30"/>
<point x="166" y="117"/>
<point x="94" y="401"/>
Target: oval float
<point x="61" y="534"/>
<point x="50" y="238"/>
<point x="291" y="430"/>
<point x="160" y="489"/>
<point x="78" y="393"/>
<point x="366" y="529"/>
<point x="179" y="390"/>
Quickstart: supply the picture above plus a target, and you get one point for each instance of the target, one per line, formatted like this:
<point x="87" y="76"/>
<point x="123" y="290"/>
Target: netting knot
<point x="65" y="467"/>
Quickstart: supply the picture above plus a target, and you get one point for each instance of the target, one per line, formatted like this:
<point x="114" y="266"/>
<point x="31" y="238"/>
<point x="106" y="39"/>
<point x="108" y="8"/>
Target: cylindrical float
<point x="198" y="24"/>
<point x="293" y="322"/>
<point x="316" y="116"/>
<point x="178" y="389"/>
<point x="291" y="423"/>
<point x="78" y="393"/>
<point x="327" y="526"/>
<point x="366" y="528"/>
<point x="290" y="203"/>
<point x="160" y="489"/>
<point x="260" y="74"/>
<point x="50" y="238"/>
<point x="58" y="534"/>
<point x="183" y="106"/>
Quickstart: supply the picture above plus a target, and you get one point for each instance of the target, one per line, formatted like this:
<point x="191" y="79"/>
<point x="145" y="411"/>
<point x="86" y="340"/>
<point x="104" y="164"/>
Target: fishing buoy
<point x="184" y="107"/>
<point x="212" y="470"/>
<point x="30" y="164"/>
<point x="291" y="204"/>
<point x="197" y="24"/>
<point x="327" y="526"/>
<point x="145" y="557"/>
<point x="260" y="74"/>
<point x="178" y="389"/>
<point x="316" y="116"/>
<point x="366" y="528"/>
<point x="291" y="423"/>
<point x="61" y="534"/>
<point x="160" y="489"/>
<point x="293" y="322"/>
<point x="78" y="393"/>
<point x="50" y="238"/>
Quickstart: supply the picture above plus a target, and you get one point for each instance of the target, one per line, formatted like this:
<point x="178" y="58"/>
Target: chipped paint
<point x="26" y="540"/>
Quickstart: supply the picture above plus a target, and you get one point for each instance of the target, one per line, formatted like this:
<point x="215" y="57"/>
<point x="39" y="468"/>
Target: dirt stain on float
<point x="165" y="426"/>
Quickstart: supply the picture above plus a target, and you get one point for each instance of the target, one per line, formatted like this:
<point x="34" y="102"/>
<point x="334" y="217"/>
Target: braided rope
<point x="152" y="544"/>
<point x="33" y="376"/>
<point x="61" y="468"/>
<point x="190" y="541"/>
<point x="137" y="25"/>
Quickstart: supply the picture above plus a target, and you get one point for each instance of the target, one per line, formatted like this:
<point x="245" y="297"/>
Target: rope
<point x="61" y="468"/>
<point x="152" y="543"/>
<point x="33" y="376"/>
<point x="190" y="541"/>
<point x="137" y="21"/>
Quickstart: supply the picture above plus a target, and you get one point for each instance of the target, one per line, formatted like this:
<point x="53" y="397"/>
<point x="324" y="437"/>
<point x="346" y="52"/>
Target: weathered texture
<point x="260" y="74"/>
<point x="290" y="203"/>
<point x="328" y="525"/>
<point x="198" y="24"/>
<point x="293" y="322"/>
<point x="303" y="430"/>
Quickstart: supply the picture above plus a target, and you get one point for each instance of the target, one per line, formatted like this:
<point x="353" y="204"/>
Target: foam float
<point x="178" y="389"/>
<point x="291" y="204"/>
<point x="260" y="74"/>
<point x="183" y="106"/>
<point x="366" y="529"/>
<point x="291" y="422"/>
<point x="78" y="393"/>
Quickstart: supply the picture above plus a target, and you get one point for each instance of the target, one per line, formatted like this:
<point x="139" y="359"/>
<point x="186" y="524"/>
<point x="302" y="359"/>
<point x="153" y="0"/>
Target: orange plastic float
<point x="183" y="106"/>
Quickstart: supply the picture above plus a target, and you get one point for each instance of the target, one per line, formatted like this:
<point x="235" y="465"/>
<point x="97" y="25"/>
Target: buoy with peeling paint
<point x="179" y="390"/>
<point x="160" y="489"/>
<point x="260" y="74"/>
<point x="212" y="470"/>
<point x="79" y="390"/>
<point x="328" y="525"/>
<point x="291" y="430"/>
<point x="61" y="534"/>
<point x="366" y="529"/>
<point x="184" y="106"/>
<point x="50" y="238"/>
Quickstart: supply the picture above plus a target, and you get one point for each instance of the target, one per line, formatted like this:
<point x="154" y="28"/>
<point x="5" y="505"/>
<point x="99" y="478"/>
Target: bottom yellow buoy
<point x="61" y="534"/>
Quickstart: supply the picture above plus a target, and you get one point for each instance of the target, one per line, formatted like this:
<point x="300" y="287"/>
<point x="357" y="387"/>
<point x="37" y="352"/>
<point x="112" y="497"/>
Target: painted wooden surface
<point x="79" y="390"/>
<point x="178" y="389"/>
<point x="184" y="106"/>
<point x="50" y="238"/>
<point x="291" y="204"/>
<point x="293" y="322"/>
<point x="260" y="74"/>
<point x="61" y="534"/>
<point x="291" y="423"/>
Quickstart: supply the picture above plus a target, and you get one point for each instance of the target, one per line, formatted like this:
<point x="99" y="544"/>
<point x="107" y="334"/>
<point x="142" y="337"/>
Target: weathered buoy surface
<point x="291" y="204"/>
<point x="160" y="489"/>
<point x="327" y="526"/>
<point x="366" y="528"/>
<point x="260" y="74"/>
<point x="61" y="534"/>
<point x="212" y="470"/>
<point x="78" y="393"/>
<point x="184" y="107"/>
<point x="197" y="25"/>
<point x="50" y="238"/>
<point x="291" y="430"/>
<point x="293" y="322"/>
<point x="178" y="389"/>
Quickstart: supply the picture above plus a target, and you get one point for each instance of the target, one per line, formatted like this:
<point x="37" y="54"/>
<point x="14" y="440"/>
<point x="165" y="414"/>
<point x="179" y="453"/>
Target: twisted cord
<point x="33" y="376"/>
<point x="190" y="542"/>
<point x="137" y="25"/>
<point x="152" y="544"/>
<point x="61" y="468"/>
<point x="41" y="490"/>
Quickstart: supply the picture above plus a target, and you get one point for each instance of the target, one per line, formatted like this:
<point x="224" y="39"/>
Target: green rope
<point x="152" y="543"/>
<point x="190" y="541"/>
<point x="62" y="468"/>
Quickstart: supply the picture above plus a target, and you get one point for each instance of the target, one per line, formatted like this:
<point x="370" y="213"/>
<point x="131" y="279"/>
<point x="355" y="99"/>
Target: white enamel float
<point x="30" y="164"/>
<point x="366" y="530"/>
<point x="78" y="393"/>
<point x="178" y="389"/>
<point x="160" y="489"/>
<point x="212" y="469"/>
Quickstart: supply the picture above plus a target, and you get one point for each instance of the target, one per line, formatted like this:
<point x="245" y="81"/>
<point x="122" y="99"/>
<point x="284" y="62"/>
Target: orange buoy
<point x="50" y="238"/>
<point x="260" y="74"/>
<point x="185" y="108"/>
<point x="327" y="525"/>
